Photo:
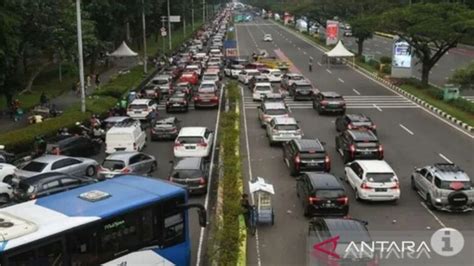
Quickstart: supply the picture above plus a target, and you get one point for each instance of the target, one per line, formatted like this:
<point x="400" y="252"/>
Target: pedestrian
<point x="43" y="99"/>
<point x="245" y="204"/>
<point x="88" y="81"/>
<point x="78" y="88"/>
<point x="310" y="66"/>
<point x="97" y="81"/>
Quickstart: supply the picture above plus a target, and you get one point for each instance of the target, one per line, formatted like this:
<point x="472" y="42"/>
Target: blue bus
<point x="100" y="222"/>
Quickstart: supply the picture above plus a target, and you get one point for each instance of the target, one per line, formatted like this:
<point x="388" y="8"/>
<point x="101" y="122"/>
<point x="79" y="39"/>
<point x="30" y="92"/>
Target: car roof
<point x="140" y="101"/>
<point x="186" y="163"/>
<point x="323" y="180"/>
<point x="274" y="105"/>
<point x="375" y="166"/>
<point x="347" y="229"/>
<point x="330" y="94"/>
<point x="358" y="117"/>
<point x="309" y="145"/>
<point x="122" y="155"/>
<point x="362" y="135"/>
<point x="449" y="172"/>
<point x="263" y="84"/>
<point x="49" y="158"/>
<point x="116" y="119"/>
<point x="192" y="131"/>
<point x="251" y="70"/>
<point x="285" y="121"/>
<point x="166" y="120"/>
<point x="302" y="82"/>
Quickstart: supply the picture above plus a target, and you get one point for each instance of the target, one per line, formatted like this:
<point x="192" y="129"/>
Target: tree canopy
<point x="464" y="77"/>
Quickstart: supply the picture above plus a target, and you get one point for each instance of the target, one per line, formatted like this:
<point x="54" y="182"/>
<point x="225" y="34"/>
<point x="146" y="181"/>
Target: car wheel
<point x="428" y="202"/>
<point x="8" y="179"/>
<point x="90" y="171"/>
<point x="270" y="142"/>
<point x="346" y="157"/>
<point x="4" y="198"/>
<point x="413" y="185"/>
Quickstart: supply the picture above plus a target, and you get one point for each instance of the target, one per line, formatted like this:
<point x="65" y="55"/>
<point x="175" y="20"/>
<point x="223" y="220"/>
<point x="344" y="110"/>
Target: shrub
<point x="436" y="93"/>
<point x="122" y="84"/>
<point x="386" y="69"/>
<point x="463" y="104"/>
<point x="386" y="60"/>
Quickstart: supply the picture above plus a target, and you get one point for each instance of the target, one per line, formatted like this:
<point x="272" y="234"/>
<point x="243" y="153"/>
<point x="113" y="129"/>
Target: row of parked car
<point x="366" y="171"/>
<point x="193" y="77"/>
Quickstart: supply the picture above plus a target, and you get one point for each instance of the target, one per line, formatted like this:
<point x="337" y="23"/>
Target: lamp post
<point x="145" y="56"/>
<point x="169" y="26"/>
<point x="81" y="62"/>
<point x="192" y="12"/>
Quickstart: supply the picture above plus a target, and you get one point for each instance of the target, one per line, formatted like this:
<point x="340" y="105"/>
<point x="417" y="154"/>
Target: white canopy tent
<point x="339" y="51"/>
<point x="123" y="51"/>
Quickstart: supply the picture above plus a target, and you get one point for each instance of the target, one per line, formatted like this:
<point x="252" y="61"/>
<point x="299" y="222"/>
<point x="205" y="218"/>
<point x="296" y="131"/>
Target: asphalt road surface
<point x="455" y="58"/>
<point x="411" y="137"/>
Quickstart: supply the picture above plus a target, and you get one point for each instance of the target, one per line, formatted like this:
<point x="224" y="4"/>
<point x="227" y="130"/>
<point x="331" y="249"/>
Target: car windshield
<point x="379" y="177"/>
<point x="276" y="111"/>
<point x="263" y="88"/>
<point x="287" y="127"/>
<point x="330" y="193"/>
<point x="34" y="166"/>
<point x="190" y="140"/>
<point x="113" y="164"/>
<point x="333" y="98"/>
<point x="297" y="77"/>
<point x="182" y="174"/>
<point x="160" y="81"/>
<point x="138" y="106"/>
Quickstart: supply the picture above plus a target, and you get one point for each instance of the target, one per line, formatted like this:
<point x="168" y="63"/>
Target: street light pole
<point x="81" y="62"/>
<point x="169" y="26"/>
<point x="204" y="11"/>
<point x="192" y="12"/>
<point x="145" y="56"/>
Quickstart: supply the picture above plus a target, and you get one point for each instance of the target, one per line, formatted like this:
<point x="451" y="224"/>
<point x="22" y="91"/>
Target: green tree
<point x="464" y="77"/>
<point x="431" y="29"/>
<point x="363" y="28"/>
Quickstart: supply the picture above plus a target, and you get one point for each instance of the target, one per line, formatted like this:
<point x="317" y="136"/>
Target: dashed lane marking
<point x="407" y="130"/>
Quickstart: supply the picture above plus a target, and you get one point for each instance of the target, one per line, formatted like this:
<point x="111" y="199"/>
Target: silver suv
<point x="282" y="129"/>
<point x="444" y="186"/>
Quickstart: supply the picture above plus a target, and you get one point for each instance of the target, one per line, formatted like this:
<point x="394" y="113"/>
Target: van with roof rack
<point x="126" y="136"/>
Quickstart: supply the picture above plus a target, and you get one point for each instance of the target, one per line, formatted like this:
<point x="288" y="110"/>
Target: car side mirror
<point x="171" y="161"/>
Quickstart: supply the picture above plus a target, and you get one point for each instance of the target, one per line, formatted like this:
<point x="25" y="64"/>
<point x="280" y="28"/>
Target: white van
<point x="125" y="137"/>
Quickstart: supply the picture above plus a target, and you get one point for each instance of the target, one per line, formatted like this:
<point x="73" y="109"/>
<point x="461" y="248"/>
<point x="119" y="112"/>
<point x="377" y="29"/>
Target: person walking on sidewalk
<point x="97" y="81"/>
<point x="310" y="65"/>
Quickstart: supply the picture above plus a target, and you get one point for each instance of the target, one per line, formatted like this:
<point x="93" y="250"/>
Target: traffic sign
<point x="163" y="31"/>
<point x="175" y="18"/>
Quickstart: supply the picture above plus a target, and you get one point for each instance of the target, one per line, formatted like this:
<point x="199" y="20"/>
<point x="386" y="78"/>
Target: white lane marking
<point x="329" y="71"/>
<point x="304" y="52"/>
<point x="452" y="69"/>
<point x="407" y="130"/>
<point x="356" y="91"/>
<point x="378" y="52"/>
<point x="378" y="108"/>
<point x="299" y="48"/>
<point x="385" y="86"/>
<point x="341" y="80"/>
<point x="247" y="146"/>
<point x="432" y="214"/>
<point x="319" y="64"/>
<point x="206" y="201"/>
<point x="445" y="158"/>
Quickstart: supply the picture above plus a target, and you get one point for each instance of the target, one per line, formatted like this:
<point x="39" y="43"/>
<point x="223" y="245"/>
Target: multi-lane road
<point x="411" y="135"/>
<point x="455" y="58"/>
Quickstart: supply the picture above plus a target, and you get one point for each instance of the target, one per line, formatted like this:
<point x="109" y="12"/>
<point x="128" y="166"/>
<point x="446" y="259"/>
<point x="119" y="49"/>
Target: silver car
<point x="283" y="129"/>
<point x="127" y="162"/>
<point x="77" y="166"/>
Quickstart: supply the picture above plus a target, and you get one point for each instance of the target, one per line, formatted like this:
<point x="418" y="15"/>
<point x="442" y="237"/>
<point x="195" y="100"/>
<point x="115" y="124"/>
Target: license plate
<point x="328" y="205"/>
<point x="176" y="104"/>
<point x="205" y="100"/>
<point x="334" y="103"/>
<point x="366" y="152"/>
<point x="190" y="147"/>
<point x="380" y="190"/>
<point x="304" y="92"/>
<point x="312" y="163"/>
<point x="137" y="112"/>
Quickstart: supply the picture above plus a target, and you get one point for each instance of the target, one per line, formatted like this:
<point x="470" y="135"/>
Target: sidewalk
<point x="68" y="98"/>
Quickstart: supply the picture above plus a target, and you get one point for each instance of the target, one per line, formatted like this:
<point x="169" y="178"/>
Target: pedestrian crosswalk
<point x="352" y="102"/>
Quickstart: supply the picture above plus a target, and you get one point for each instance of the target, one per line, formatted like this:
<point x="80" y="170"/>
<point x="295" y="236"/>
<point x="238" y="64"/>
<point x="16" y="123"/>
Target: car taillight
<point x="352" y="150"/>
<point x="215" y="98"/>
<point x="327" y="163"/>
<point x="350" y="126"/>
<point x="125" y="170"/>
<point x="297" y="161"/>
<point x="202" y="181"/>
<point x="274" y="131"/>
<point x="373" y="126"/>
<point x="33" y="196"/>
<point x="324" y="102"/>
<point x="313" y="200"/>
<point x="365" y="186"/>
<point x="196" y="98"/>
<point x="170" y="178"/>
<point x="343" y="200"/>
<point x="202" y="144"/>
<point x="396" y="186"/>
<point x="134" y="146"/>
<point x="177" y="144"/>
<point x="380" y="151"/>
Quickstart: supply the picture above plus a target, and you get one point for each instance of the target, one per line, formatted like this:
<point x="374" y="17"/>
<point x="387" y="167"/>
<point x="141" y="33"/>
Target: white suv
<point x="246" y="74"/>
<point x="142" y="109"/>
<point x="274" y="75"/>
<point x="193" y="142"/>
<point x="282" y="129"/>
<point x="373" y="180"/>
<point x="261" y="89"/>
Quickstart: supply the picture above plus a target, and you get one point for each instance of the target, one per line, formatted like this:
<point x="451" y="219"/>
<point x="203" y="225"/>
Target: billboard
<point x="230" y="48"/>
<point x="402" y="54"/>
<point x="332" y="32"/>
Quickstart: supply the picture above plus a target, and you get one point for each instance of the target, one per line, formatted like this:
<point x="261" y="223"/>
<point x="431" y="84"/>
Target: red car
<point x="190" y="77"/>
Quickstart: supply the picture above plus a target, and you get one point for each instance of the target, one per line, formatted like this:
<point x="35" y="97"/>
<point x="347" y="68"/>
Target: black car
<point x="166" y="128"/>
<point x="301" y="90"/>
<point x="322" y="194"/>
<point x="177" y="102"/>
<point x="347" y="231"/>
<point x="47" y="184"/>
<point x="191" y="172"/>
<point x="355" y="121"/>
<point x="358" y="144"/>
<point x="306" y="155"/>
<point x="329" y="102"/>
<point x="73" y="145"/>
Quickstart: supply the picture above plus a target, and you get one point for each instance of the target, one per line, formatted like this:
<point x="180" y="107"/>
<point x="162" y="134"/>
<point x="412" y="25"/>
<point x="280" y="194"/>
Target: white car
<point x="283" y="129"/>
<point x="142" y="109"/>
<point x="269" y="110"/>
<point x="246" y="74"/>
<point x="7" y="172"/>
<point x="373" y="180"/>
<point x="211" y="76"/>
<point x="193" y="68"/>
<point x="267" y="38"/>
<point x="274" y="75"/>
<point x="6" y="193"/>
<point x="193" y="142"/>
<point x="260" y="89"/>
<point x="215" y="53"/>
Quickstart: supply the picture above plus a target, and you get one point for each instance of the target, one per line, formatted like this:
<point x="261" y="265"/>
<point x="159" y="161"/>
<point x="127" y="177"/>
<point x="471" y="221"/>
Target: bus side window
<point x="27" y="258"/>
<point x="173" y="222"/>
<point x="51" y="254"/>
<point x="82" y="247"/>
<point x="148" y="225"/>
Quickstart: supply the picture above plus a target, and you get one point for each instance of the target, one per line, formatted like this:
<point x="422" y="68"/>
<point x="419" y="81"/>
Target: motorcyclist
<point x="39" y="145"/>
<point x="43" y="99"/>
<point x="97" y="132"/>
<point x="94" y="121"/>
<point x="64" y="132"/>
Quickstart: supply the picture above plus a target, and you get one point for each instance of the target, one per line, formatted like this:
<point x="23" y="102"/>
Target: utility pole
<point x="203" y="11"/>
<point x="145" y="56"/>
<point x="163" y="20"/>
<point x="169" y="26"/>
<point x="184" y="24"/>
<point x="192" y="12"/>
<point x="81" y="62"/>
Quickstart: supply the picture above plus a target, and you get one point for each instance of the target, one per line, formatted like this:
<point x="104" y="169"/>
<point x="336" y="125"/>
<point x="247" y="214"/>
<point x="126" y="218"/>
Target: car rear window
<point x="276" y="111"/>
<point x="366" y="144"/>
<point x="333" y="98"/>
<point x="34" y="166"/>
<point x="362" y="124"/>
<point x="330" y="193"/>
<point x="263" y="88"/>
<point x="304" y="87"/>
<point x="189" y="140"/>
<point x="453" y="185"/>
<point x="312" y="155"/>
<point x="287" y="127"/>
<point x="182" y="174"/>
<point x="379" y="177"/>
<point x="113" y="164"/>
<point x="138" y="106"/>
<point x="160" y="81"/>
<point x="176" y="99"/>
<point x="296" y="78"/>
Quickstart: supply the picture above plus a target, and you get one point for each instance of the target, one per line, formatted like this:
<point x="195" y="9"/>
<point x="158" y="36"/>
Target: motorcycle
<point x="6" y="157"/>
<point x="95" y="133"/>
